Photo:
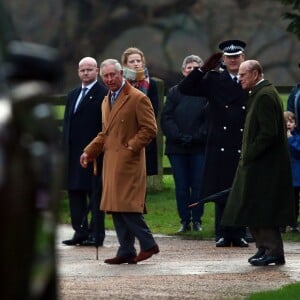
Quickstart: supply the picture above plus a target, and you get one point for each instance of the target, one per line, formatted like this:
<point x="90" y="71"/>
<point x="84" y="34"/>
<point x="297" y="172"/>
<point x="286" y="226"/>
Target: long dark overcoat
<point x="262" y="192"/>
<point x="79" y="129"/>
<point x="151" y="148"/>
<point x="131" y="122"/>
<point x="226" y="117"/>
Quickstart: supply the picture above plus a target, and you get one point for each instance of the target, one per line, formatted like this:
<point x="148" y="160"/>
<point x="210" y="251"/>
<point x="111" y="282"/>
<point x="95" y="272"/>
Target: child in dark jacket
<point x="294" y="143"/>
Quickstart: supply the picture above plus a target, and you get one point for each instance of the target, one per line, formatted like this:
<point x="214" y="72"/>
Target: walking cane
<point x="82" y="223"/>
<point x="211" y="198"/>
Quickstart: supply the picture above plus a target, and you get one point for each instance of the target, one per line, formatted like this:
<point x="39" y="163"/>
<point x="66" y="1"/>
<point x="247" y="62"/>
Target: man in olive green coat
<point x="262" y="192"/>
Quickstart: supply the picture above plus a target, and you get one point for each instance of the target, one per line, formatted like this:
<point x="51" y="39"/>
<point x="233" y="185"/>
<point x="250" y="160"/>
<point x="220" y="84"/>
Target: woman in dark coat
<point x="135" y="71"/>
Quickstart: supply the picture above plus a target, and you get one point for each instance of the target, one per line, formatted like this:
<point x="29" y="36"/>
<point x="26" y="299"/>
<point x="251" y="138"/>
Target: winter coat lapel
<point x="109" y="113"/>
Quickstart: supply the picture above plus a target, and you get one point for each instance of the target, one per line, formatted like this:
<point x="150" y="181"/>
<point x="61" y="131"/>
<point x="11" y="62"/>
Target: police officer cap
<point x="232" y="47"/>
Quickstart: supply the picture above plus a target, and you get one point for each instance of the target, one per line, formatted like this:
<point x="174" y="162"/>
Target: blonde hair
<point x="289" y="116"/>
<point x="132" y="50"/>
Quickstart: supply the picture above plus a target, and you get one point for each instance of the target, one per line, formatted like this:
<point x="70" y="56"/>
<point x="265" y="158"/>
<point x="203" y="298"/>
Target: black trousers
<point x="226" y="232"/>
<point x="97" y="224"/>
<point x="83" y="203"/>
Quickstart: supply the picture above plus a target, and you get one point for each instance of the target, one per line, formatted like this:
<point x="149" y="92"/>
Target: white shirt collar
<point x="89" y="86"/>
<point x="119" y="90"/>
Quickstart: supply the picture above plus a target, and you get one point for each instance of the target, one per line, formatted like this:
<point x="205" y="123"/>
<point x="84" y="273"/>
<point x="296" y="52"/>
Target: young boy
<point x="294" y="144"/>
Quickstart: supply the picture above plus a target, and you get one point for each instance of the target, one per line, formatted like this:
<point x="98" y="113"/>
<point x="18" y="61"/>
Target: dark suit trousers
<point x="78" y="204"/>
<point x="81" y="203"/>
<point x="269" y="239"/>
<point x="228" y="232"/>
<point x="128" y="227"/>
<point x="97" y="225"/>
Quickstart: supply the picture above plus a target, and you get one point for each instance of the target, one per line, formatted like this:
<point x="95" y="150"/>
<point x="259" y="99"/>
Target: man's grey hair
<point x="190" y="59"/>
<point x="110" y="61"/>
<point x="252" y="65"/>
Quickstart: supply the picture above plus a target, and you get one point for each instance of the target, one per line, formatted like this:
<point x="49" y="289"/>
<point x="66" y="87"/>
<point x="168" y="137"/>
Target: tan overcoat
<point x="131" y="122"/>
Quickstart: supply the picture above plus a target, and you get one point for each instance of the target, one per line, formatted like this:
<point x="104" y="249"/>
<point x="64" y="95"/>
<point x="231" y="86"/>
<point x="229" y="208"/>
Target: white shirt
<point x="88" y="87"/>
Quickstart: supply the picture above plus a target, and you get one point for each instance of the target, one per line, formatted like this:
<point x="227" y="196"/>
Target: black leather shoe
<point x="240" y="242"/>
<point x="267" y="260"/>
<point x="73" y="242"/>
<point x="221" y="242"/>
<point x="184" y="228"/>
<point x="260" y="252"/>
<point x="197" y="226"/>
<point x="91" y="241"/>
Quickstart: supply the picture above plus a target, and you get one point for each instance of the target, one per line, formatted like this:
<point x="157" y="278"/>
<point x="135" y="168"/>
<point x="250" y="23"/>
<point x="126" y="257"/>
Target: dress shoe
<point x="197" y="226"/>
<point x="73" y="242"/>
<point x="260" y="252"/>
<point x="222" y="242"/>
<point x="91" y="241"/>
<point x="184" y="228"/>
<point x="266" y="260"/>
<point x="239" y="242"/>
<point x="147" y="254"/>
<point x="118" y="260"/>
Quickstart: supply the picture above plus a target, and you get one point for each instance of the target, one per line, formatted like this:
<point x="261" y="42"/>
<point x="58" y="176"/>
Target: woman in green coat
<point x="262" y="192"/>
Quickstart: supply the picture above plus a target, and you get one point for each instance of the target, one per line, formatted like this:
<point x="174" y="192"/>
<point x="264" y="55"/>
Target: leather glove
<point x="186" y="140"/>
<point x="212" y="62"/>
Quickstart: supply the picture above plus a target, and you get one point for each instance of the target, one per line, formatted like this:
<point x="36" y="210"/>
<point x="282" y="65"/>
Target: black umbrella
<point x="217" y="197"/>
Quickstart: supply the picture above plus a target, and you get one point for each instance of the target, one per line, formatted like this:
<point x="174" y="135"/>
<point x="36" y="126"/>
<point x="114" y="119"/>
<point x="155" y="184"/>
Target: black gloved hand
<point x="212" y="62"/>
<point x="186" y="140"/>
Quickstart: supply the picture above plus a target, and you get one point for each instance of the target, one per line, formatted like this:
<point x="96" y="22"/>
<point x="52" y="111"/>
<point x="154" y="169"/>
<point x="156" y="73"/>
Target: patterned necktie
<point x="113" y="97"/>
<point x="83" y="92"/>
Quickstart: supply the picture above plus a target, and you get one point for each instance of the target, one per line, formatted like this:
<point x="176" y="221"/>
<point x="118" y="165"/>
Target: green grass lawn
<point x="288" y="292"/>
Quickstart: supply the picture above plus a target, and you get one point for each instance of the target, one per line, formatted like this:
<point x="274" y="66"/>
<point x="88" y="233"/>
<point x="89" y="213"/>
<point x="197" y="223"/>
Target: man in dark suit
<point x="82" y="121"/>
<point x="226" y="117"/>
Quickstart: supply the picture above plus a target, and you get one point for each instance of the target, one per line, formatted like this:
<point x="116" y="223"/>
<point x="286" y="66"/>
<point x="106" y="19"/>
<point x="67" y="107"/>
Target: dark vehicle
<point x="30" y="166"/>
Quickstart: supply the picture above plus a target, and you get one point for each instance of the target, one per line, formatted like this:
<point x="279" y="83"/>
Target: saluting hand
<point x="212" y="62"/>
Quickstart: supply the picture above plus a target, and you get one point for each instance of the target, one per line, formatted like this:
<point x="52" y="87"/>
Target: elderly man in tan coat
<point x="128" y="126"/>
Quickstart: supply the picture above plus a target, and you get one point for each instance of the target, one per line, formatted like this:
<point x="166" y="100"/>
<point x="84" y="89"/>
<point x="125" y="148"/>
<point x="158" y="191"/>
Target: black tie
<point x="83" y="92"/>
<point x="235" y="79"/>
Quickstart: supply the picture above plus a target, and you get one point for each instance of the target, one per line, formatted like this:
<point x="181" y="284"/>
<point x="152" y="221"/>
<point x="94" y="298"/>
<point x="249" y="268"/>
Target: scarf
<point x="138" y="78"/>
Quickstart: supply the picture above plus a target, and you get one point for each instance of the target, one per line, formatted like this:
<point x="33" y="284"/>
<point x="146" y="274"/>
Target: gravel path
<point x="184" y="269"/>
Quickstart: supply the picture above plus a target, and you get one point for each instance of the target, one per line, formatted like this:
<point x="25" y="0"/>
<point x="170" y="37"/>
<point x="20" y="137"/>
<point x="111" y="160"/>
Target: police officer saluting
<point x="226" y="115"/>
